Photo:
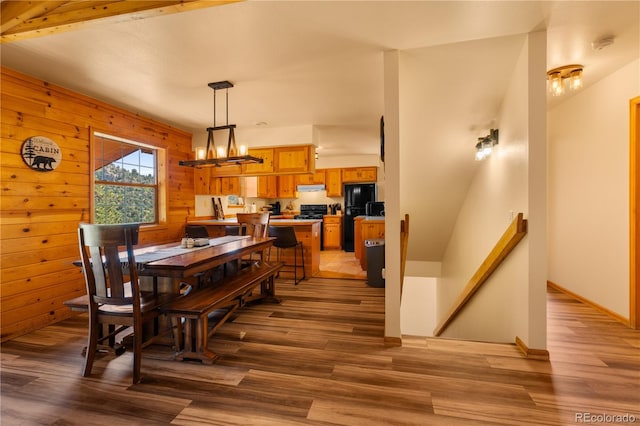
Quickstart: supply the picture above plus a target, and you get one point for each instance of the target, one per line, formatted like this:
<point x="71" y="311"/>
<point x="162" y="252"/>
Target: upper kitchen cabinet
<point x="230" y="170"/>
<point x="360" y="174"/>
<point x="229" y="186"/>
<point x="267" y="186"/>
<point x="333" y="182"/>
<point x="295" y="159"/>
<point x="316" y="178"/>
<point x="202" y="181"/>
<point x="286" y="186"/>
<point x="260" y="168"/>
<point x="277" y="160"/>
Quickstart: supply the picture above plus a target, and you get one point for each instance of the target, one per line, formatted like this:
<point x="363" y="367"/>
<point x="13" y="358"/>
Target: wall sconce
<point x="557" y="77"/>
<point x="485" y="145"/>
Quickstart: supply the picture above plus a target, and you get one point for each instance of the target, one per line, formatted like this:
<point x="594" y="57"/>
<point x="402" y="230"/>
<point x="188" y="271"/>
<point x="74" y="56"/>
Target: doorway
<point x="634" y="215"/>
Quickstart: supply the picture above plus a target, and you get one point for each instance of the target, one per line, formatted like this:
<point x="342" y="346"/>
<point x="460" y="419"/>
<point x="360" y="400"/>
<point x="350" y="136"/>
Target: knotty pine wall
<point x="40" y="211"/>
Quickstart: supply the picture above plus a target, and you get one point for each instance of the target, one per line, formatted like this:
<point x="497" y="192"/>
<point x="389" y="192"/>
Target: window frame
<point x="160" y="171"/>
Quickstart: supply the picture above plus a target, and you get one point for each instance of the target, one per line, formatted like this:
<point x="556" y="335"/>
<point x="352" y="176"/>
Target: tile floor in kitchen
<point x="340" y="264"/>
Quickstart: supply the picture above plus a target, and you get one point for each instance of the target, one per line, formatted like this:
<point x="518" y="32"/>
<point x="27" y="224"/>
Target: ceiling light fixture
<point x="485" y="145"/>
<point x="557" y="77"/>
<point x="220" y="157"/>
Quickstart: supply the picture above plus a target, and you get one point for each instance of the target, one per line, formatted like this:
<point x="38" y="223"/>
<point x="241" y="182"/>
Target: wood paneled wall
<point x="40" y="211"/>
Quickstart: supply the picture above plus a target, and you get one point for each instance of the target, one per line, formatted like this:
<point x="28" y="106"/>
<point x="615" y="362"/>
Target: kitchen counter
<point x="233" y="221"/>
<point x="307" y="231"/>
<point x="377" y="219"/>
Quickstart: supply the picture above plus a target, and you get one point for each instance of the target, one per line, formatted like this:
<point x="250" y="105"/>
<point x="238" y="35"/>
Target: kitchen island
<point x="366" y="228"/>
<point x="307" y="231"/>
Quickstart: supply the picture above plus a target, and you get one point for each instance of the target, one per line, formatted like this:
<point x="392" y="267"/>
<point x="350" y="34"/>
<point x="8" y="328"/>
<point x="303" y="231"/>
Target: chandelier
<point x="212" y="157"/>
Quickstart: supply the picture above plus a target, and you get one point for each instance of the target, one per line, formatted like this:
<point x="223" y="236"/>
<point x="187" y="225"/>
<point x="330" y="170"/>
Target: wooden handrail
<point x="503" y="247"/>
<point x="404" y="241"/>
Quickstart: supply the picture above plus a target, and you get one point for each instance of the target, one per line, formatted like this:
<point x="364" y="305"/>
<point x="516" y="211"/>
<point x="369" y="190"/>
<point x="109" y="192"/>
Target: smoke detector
<point x="602" y="42"/>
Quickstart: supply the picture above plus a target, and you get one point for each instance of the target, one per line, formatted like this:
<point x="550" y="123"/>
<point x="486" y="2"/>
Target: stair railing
<point x="511" y="237"/>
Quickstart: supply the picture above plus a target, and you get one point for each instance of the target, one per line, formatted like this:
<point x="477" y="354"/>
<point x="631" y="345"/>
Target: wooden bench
<point x="231" y="293"/>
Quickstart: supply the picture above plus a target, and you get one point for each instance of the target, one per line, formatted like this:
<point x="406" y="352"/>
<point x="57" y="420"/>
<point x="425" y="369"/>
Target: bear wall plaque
<point x="41" y="153"/>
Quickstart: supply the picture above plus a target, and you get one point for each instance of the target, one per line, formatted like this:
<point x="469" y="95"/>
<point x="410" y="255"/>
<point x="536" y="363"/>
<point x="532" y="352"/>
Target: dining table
<point x="169" y="263"/>
<point x="164" y="267"/>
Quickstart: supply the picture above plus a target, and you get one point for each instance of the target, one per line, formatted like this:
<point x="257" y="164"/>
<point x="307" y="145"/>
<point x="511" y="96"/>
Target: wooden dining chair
<point x="113" y="301"/>
<point x="255" y="225"/>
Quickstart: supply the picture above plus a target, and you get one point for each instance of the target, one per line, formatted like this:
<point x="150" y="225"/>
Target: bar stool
<point x="285" y="239"/>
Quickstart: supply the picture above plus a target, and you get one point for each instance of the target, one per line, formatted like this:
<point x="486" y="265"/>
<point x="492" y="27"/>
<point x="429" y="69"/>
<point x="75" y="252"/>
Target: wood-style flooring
<point x="340" y="264"/>
<point x="319" y="358"/>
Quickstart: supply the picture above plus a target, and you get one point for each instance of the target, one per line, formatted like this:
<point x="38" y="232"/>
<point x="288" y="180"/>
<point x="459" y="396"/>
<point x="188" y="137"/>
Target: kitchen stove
<point x="312" y="211"/>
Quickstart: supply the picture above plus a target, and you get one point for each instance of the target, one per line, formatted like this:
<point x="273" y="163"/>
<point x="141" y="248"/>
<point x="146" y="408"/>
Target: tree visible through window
<point x="125" y="181"/>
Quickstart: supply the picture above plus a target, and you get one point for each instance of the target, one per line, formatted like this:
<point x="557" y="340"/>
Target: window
<point x="125" y="181"/>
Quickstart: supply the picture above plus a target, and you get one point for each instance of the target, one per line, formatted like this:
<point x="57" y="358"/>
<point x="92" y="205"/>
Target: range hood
<point x="310" y="188"/>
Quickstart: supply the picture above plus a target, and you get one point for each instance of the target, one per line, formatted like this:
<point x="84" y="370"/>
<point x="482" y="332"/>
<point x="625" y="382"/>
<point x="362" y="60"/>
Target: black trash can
<point x="375" y="262"/>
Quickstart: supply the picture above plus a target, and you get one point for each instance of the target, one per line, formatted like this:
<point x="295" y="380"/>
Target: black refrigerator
<point x="356" y="197"/>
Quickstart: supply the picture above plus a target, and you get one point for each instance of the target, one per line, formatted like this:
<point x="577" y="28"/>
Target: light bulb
<point x="200" y="154"/>
<point x="555" y="84"/>
<point x="575" y="79"/>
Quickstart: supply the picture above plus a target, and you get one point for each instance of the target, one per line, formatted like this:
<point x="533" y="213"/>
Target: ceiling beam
<point x="21" y="20"/>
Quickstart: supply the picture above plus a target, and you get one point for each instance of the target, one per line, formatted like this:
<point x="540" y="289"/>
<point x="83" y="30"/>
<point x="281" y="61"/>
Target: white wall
<point x="392" y="198"/>
<point x="589" y="190"/>
<point x="417" y="312"/>
<point x="509" y="304"/>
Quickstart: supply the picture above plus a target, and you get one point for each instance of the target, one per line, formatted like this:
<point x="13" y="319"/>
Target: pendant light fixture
<point x="220" y="156"/>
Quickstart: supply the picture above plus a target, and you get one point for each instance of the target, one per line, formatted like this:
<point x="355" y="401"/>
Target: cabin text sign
<point x="41" y="153"/>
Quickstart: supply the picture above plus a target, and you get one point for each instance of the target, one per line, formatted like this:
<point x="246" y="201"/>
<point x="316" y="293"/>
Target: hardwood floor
<point x="319" y="358"/>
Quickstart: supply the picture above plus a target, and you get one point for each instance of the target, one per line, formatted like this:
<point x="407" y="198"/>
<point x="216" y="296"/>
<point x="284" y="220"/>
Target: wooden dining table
<point x="162" y="268"/>
<point x="170" y="261"/>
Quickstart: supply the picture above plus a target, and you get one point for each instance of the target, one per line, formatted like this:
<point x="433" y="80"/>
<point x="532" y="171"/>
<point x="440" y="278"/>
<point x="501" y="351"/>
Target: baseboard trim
<point x="588" y="302"/>
<point x="537" y="354"/>
<point x="392" y="341"/>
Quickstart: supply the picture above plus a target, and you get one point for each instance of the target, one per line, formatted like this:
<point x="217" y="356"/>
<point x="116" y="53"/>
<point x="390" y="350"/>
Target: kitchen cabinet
<point x="229" y="186"/>
<point x="268" y="186"/>
<point x="265" y="167"/>
<point x="294" y="159"/>
<point x="316" y="178"/>
<point x="360" y="174"/>
<point x="277" y="160"/>
<point x="231" y="170"/>
<point x="333" y="182"/>
<point x="286" y="186"/>
<point x="201" y="181"/>
<point x="332" y="232"/>
<point x="369" y="230"/>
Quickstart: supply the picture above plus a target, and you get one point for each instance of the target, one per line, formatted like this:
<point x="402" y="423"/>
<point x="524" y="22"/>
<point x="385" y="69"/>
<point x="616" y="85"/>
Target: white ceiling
<point x="320" y="63"/>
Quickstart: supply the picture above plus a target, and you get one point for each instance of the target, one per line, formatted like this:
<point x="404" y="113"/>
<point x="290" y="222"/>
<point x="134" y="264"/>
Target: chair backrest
<point x="196" y="231"/>
<point x="285" y="236"/>
<point x="254" y="224"/>
<point x="103" y="269"/>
